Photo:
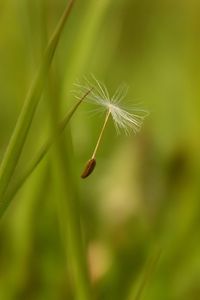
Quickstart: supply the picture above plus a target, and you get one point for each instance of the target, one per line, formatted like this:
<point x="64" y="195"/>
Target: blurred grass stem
<point x="148" y="272"/>
<point x="68" y="203"/>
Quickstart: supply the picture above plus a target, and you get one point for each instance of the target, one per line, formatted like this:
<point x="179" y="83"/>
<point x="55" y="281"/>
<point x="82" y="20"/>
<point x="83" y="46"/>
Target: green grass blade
<point x="20" y="132"/>
<point x="40" y="155"/>
<point x="148" y="271"/>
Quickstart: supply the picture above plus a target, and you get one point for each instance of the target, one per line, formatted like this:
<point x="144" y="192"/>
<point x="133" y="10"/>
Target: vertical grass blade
<point x="68" y="204"/>
<point x="148" y="271"/>
<point x="21" y="129"/>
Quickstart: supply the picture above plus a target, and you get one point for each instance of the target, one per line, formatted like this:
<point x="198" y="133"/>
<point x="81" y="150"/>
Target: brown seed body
<point x="89" y="168"/>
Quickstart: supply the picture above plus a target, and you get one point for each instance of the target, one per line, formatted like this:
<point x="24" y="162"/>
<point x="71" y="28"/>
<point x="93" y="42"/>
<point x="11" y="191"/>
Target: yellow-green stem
<point x="101" y="134"/>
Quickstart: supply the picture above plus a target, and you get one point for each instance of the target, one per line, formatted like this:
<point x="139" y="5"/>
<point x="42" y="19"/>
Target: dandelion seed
<point x="126" y="120"/>
<point x="89" y="168"/>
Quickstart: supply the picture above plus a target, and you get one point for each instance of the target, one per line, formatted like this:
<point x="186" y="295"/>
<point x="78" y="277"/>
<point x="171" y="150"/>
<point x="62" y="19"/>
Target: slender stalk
<point x="24" y="121"/>
<point x="149" y="269"/>
<point x="101" y="134"/>
<point x="89" y="168"/>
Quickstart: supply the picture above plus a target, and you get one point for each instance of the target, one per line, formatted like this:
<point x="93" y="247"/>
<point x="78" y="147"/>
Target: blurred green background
<point x="143" y="197"/>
